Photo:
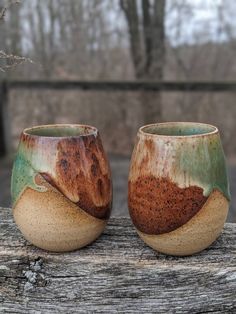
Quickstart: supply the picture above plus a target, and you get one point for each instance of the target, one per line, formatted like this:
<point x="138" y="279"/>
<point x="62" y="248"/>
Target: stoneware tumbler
<point x="178" y="186"/>
<point x="61" y="186"/>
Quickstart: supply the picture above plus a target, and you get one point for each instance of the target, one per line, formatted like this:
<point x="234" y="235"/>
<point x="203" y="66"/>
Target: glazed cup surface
<point x="178" y="187"/>
<point x="61" y="186"/>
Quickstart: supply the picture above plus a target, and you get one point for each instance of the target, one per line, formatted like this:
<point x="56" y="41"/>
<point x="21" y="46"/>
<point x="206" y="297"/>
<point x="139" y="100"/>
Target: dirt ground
<point x="120" y="168"/>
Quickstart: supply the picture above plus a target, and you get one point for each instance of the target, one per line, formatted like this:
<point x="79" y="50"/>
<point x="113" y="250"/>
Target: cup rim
<point x="93" y="130"/>
<point x="214" y="129"/>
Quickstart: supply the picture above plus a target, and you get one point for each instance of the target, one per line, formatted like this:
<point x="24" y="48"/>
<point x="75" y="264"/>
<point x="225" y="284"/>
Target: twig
<point x="13" y="60"/>
<point x="2" y="13"/>
<point x="7" y="7"/>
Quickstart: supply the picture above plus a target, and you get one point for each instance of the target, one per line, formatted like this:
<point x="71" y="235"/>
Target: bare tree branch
<point x="7" y="7"/>
<point x="12" y="60"/>
<point x="3" y="13"/>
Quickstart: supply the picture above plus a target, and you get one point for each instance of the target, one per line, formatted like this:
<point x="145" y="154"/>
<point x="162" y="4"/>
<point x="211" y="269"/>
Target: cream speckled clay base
<point x="52" y="222"/>
<point x="197" y="234"/>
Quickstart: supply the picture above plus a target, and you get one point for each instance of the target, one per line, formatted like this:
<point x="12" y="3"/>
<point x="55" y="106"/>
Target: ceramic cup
<point x="178" y="187"/>
<point x="61" y="186"/>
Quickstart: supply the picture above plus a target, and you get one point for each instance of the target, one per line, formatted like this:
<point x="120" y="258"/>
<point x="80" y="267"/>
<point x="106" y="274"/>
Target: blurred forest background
<point x="120" y="40"/>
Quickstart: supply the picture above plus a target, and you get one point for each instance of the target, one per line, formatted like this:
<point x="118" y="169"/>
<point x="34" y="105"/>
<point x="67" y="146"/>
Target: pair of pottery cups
<point x="178" y="193"/>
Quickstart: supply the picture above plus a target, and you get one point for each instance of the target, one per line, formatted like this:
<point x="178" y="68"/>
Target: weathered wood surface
<point x="117" y="273"/>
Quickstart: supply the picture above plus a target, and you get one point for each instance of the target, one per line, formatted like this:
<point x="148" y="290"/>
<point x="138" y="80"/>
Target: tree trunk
<point x="131" y="13"/>
<point x="158" y="41"/>
<point x="155" y="56"/>
<point x="15" y="30"/>
<point x="147" y="29"/>
<point x="3" y="37"/>
<point x="147" y="45"/>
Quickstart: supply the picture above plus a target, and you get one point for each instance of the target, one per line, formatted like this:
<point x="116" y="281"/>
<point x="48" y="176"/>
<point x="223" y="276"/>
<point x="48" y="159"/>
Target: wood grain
<point x="116" y="274"/>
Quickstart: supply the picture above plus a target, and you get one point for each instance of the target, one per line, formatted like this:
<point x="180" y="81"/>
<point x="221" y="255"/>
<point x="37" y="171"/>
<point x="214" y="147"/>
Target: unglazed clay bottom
<point x="61" y="226"/>
<point x="195" y="235"/>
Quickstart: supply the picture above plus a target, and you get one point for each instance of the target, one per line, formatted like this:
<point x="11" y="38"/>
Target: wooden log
<point x="116" y="274"/>
<point x="168" y="86"/>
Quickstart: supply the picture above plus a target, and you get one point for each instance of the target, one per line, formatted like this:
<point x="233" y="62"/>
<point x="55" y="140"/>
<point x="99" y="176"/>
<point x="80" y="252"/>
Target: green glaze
<point x="23" y="176"/>
<point x="205" y="162"/>
<point x="179" y="129"/>
<point x="188" y="154"/>
<point x="32" y="158"/>
<point x="37" y="153"/>
<point x="61" y="131"/>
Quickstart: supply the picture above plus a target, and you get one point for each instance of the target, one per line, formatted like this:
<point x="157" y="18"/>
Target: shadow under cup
<point x="61" y="186"/>
<point x="178" y="186"/>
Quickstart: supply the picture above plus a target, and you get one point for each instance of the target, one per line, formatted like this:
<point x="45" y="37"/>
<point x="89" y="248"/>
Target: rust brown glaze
<point x="150" y="145"/>
<point x="82" y="172"/>
<point x="158" y="205"/>
<point x="28" y="141"/>
<point x="197" y="234"/>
